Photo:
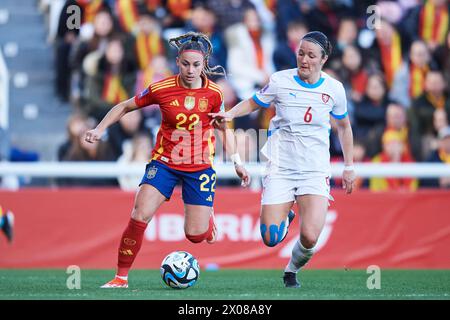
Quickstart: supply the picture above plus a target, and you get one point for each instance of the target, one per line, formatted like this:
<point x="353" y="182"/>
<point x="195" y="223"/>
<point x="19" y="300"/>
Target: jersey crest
<point x="325" y="97"/>
<point x="203" y="104"/>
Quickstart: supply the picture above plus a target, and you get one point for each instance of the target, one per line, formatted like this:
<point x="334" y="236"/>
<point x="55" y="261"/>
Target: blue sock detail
<point x="2" y="220"/>
<point x="263" y="229"/>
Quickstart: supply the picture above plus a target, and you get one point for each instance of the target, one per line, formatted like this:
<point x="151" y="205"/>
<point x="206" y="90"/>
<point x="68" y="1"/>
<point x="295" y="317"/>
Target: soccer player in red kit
<point x="183" y="152"/>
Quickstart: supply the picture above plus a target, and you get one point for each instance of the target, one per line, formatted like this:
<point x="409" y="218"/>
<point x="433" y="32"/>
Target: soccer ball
<point x="180" y="270"/>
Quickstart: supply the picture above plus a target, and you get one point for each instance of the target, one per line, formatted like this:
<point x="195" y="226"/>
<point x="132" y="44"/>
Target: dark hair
<point x="321" y="40"/>
<point x="199" y="42"/>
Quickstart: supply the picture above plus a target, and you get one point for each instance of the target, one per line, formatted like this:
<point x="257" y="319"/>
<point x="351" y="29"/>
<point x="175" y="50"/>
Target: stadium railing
<point x="224" y="170"/>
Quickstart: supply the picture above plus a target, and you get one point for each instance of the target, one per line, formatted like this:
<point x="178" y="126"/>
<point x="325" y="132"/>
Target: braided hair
<point x="321" y="40"/>
<point x="199" y="42"/>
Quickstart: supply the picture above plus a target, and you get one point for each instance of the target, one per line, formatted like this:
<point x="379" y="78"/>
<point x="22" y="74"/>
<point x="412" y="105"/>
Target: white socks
<point x="300" y="256"/>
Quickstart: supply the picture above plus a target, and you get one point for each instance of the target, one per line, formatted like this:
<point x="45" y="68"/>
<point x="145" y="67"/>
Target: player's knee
<point x="140" y="215"/>
<point x="273" y="234"/>
<point x="308" y="240"/>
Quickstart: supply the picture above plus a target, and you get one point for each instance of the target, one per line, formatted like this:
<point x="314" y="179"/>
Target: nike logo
<point x="293" y="94"/>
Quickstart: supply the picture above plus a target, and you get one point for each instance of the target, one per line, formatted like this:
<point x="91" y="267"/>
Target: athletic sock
<point x="299" y="258"/>
<point x="130" y="244"/>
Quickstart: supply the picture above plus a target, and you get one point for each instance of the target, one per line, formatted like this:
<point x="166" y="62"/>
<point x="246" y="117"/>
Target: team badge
<point x="152" y="172"/>
<point x="203" y="104"/>
<point x="325" y="97"/>
<point x="189" y="102"/>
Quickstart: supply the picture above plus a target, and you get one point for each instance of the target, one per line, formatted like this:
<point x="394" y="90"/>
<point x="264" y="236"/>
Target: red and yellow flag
<point x="90" y="9"/>
<point x="148" y="46"/>
<point x="391" y="57"/>
<point x="113" y="91"/>
<point x="433" y="23"/>
<point x="416" y="80"/>
<point x="128" y="14"/>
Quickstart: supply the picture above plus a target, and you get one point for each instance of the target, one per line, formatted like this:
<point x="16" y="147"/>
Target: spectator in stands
<point x="148" y="41"/>
<point x="353" y="73"/>
<point x="95" y="40"/>
<point x="124" y="130"/>
<point x="394" y="151"/>
<point x="229" y="12"/>
<point x="250" y="54"/>
<point x="387" y="50"/>
<point x="442" y="57"/>
<point x="135" y="150"/>
<point x="77" y="124"/>
<point x="204" y="20"/>
<point x="440" y="122"/>
<point x="285" y="53"/>
<point x="80" y="150"/>
<point x="396" y="122"/>
<point x="409" y="80"/>
<point x="370" y="113"/>
<point x="65" y="39"/>
<point x="441" y="155"/>
<point x="429" y="22"/>
<point x="420" y="115"/>
<point x="347" y="35"/>
<point x="110" y="81"/>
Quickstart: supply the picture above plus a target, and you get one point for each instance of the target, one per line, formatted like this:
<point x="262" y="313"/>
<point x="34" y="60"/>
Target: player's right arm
<point x="241" y="109"/>
<point x="263" y="98"/>
<point x="113" y="115"/>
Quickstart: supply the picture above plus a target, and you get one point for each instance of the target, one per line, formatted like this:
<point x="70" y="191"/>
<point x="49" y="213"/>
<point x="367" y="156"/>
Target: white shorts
<point x="281" y="189"/>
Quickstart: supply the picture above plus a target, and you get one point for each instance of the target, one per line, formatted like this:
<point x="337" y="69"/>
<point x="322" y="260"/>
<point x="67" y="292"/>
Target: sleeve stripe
<point x="259" y="102"/>
<point x="339" y="116"/>
<point x="218" y="91"/>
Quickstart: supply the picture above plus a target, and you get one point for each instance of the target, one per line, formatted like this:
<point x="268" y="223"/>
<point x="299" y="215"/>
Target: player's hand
<point x="219" y="125"/>
<point x="93" y="135"/>
<point x="220" y="117"/>
<point x="348" y="180"/>
<point x="243" y="174"/>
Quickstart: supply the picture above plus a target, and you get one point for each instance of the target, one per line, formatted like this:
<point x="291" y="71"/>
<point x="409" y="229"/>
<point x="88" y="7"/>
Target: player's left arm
<point x="345" y="135"/>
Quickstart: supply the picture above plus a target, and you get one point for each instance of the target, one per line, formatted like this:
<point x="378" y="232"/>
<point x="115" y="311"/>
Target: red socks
<point x="130" y="244"/>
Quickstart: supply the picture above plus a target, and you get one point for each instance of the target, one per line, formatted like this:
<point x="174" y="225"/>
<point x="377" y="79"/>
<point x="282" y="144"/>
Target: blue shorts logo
<point x="152" y="172"/>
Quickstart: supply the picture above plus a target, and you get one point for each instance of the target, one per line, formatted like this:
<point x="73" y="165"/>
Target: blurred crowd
<point x="393" y="59"/>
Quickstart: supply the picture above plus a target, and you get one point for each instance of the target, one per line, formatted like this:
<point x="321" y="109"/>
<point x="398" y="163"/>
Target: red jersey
<point x="185" y="140"/>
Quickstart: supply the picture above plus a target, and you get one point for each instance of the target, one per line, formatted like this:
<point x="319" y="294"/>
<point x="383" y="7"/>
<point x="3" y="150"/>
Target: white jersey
<point x="298" y="138"/>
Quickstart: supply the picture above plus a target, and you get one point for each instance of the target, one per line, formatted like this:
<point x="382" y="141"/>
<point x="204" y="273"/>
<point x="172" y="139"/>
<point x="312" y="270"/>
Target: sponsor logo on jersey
<point x="189" y="102"/>
<point x="203" y="104"/>
<point x="325" y="97"/>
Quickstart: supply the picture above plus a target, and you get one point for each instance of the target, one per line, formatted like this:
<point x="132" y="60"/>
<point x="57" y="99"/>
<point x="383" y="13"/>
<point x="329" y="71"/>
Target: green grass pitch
<point x="228" y="284"/>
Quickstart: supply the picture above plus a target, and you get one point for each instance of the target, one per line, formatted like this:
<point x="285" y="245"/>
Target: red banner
<point x="58" y="228"/>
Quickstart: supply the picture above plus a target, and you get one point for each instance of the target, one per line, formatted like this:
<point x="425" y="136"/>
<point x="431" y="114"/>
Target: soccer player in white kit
<point x="297" y="149"/>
